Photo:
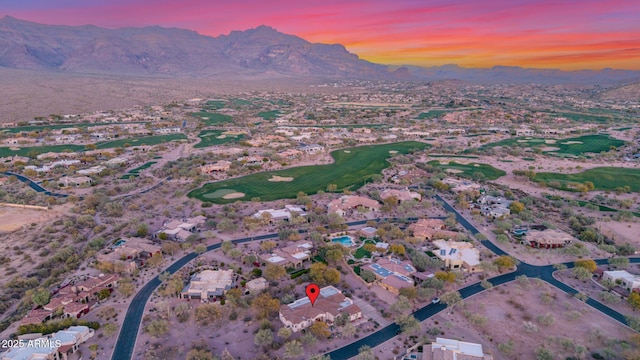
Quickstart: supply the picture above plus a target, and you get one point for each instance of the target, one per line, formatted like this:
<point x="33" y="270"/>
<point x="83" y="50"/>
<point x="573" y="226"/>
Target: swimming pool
<point x="119" y="243"/>
<point x="345" y="240"/>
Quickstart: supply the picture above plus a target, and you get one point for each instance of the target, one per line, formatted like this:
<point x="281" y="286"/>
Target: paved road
<point x="32" y="184"/>
<point x="543" y="272"/>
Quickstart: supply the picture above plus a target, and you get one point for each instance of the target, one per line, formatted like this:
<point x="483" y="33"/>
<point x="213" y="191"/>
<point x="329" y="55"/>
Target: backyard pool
<point x="118" y="243"/>
<point x="345" y="240"/>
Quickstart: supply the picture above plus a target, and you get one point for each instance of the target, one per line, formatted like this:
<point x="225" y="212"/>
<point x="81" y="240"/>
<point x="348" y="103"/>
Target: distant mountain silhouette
<point x="261" y="51"/>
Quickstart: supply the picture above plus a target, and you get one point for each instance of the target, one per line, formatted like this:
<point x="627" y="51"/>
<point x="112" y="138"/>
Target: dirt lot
<point x="14" y="218"/>
<point x="622" y="232"/>
<point x="514" y="321"/>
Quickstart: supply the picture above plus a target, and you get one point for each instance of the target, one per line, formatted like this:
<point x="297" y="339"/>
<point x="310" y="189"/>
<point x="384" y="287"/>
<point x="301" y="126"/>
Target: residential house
<point x="459" y="185"/>
<point x="430" y="229"/>
<point x="129" y="253"/>
<point x="368" y="232"/>
<point x="442" y="349"/>
<point x="168" y="130"/>
<point x="89" y="288"/>
<point x="67" y="181"/>
<point x="287" y="213"/>
<point x="180" y="230"/>
<point x="400" y="195"/>
<point x="290" y="154"/>
<point x="92" y="170"/>
<point x="222" y="165"/>
<point x="311" y="148"/>
<point x="458" y="255"/>
<point x="494" y="207"/>
<point x="392" y="274"/>
<point x="548" y="239"/>
<point x="330" y="304"/>
<point x="293" y="255"/>
<point x="525" y="131"/>
<point x="627" y="280"/>
<point x="252" y="160"/>
<point x="347" y="203"/>
<point x="20" y="141"/>
<point x="209" y="285"/>
<point x="56" y="346"/>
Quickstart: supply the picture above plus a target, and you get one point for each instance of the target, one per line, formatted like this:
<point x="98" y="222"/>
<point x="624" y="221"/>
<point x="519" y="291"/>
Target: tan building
<point x="400" y="195"/>
<point x="130" y="253"/>
<point x="222" y="165"/>
<point x="548" y="239"/>
<point x="330" y="304"/>
<point x="458" y="255"/>
<point x="392" y="274"/>
<point x="293" y="255"/>
<point x="430" y="229"/>
<point x="448" y="349"/>
<point x="209" y="284"/>
<point x="347" y="203"/>
<point x="257" y="285"/>
<point x="56" y="346"/>
<point x="71" y="181"/>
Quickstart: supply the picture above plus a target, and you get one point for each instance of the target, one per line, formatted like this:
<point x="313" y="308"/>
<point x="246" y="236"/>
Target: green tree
<point x="200" y="354"/>
<point x="516" y="207"/>
<point x="265" y="305"/>
<point x="274" y="272"/>
<point x="401" y="307"/>
<point x="452" y="299"/>
<point x="155" y="260"/>
<point x="410" y="292"/>
<point x="367" y="275"/>
<point x="408" y="324"/>
<point x="41" y="296"/>
<point x="126" y="287"/>
<point x="365" y="353"/>
<point x="320" y="330"/>
<point x="619" y="262"/>
<point x="157" y="328"/>
<point x="445" y="276"/>
<point x="581" y="273"/>
<point x="284" y="333"/>
<point x="634" y="300"/>
<point x="293" y="349"/>
<point x="263" y="338"/>
<point x="505" y="262"/>
<point x="142" y="230"/>
<point x="207" y="314"/>
<point x="587" y="264"/>
<point x="103" y="294"/>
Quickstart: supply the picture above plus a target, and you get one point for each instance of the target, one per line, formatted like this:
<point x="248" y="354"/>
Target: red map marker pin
<point x="312" y="291"/>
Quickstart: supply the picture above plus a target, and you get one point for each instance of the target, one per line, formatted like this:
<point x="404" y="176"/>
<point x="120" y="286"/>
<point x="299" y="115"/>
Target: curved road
<point x="126" y="342"/>
<point x="32" y="184"/>
<point x="544" y="273"/>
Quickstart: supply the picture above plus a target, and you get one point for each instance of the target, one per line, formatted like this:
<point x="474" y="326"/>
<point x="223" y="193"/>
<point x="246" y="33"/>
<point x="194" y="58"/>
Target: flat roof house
<point x="458" y="255"/>
<point x="627" y="280"/>
<point x="430" y="229"/>
<point x="209" y="284"/>
<point x="400" y="195"/>
<point x="449" y="349"/>
<point x="293" y="255"/>
<point x="548" y="239"/>
<point x="330" y="304"/>
<point x="51" y="347"/>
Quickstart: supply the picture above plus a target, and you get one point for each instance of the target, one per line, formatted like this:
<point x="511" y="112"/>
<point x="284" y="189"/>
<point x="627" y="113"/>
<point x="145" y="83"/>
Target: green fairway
<point x="216" y="137"/>
<point x="135" y="172"/>
<point x="269" y="115"/>
<point x="141" y="141"/>
<point x="563" y="147"/>
<point x="432" y="114"/>
<point x="470" y="170"/>
<point x="215" y="104"/>
<point x="33" y="151"/>
<point x="603" y="178"/>
<point x="30" y="128"/>
<point x="352" y="168"/>
<point x="211" y="119"/>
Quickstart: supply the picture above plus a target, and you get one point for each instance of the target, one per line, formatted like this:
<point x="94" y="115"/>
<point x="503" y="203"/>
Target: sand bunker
<point x="221" y="137"/>
<point x="550" y="148"/>
<point x="347" y="151"/>
<point x="476" y="165"/>
<point x="549" y="141"/>
<point x="571" y="142"/>
<point x="276" y="178"/>
<point x="235" y="195"/>
<point x="393" y="151"/>
<point x="13" y="148"/>
<point x="453" y="171"/>
<point x="523" y="141"/>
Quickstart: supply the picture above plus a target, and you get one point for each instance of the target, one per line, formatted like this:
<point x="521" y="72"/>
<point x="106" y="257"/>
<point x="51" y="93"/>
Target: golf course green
<point x="470" y="170"/>
<point x="352" y="168"/>
<point x="603" y="178"/>
<point x="562" y="147"/>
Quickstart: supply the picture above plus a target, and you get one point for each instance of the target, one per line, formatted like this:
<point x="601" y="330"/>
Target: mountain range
<point x="263" y="51"/>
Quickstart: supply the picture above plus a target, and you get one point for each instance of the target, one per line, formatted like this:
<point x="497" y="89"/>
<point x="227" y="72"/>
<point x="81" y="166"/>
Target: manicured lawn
<point x="29" y="128"/>
<point x="352" y="168"/>
<point x="269" y="115"/>
<point x="361" y="252"/>
<point x="147" y="140"/>
<point x="603" y="178"/>
<point x="570" y="146"/>
<point x="211" y="119"/>
<point x="135" y="172"/>
<point x="215" y="137"/>
<point x="36" y="150"/>
<point x="469" y="170"/>
<point x="431" y="114"/>
<point x="215" y="104"/>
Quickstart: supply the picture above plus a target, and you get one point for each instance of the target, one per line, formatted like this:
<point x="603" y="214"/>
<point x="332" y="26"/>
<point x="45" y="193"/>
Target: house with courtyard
<point x="444" y="349"/>
<point x="368" y="232"/>
<point x="458" y="255"/>
<point x="548" y="239"/>
<point x="209" y="285"/>
<point x="400" y="195"/>
<point x="291" y="256"/>
<point x="180" y="230"/>
<point x="330" y="304"/>
<point x="347" y="203"/>
<point x="285" y="214"/>
<point x="218" y="166"/>
<point x="392" y="274"/>
<point x="493" y="206"/>
<point x="257" y="285"/>
<point x="628" y="281"/>
<point x="431" y="229"/>
<point x="58" y="345"/>
<point x="128" y="254"/>
<point x="74" y="181"/>
<point x="311" y="148"/>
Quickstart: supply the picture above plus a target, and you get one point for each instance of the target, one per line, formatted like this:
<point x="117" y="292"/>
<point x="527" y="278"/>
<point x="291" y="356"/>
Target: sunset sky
<point x="566" y="34"/>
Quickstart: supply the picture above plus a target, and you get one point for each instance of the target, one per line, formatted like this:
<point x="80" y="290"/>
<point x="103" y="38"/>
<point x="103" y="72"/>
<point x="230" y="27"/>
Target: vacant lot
<point x="212" y="119"/>
<point x="217" y="137"/>
<point x="563" y="147"/>
<point x="603" y="178"/>
<point x="471" y="170"/>
<point x="352" y="168"/>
